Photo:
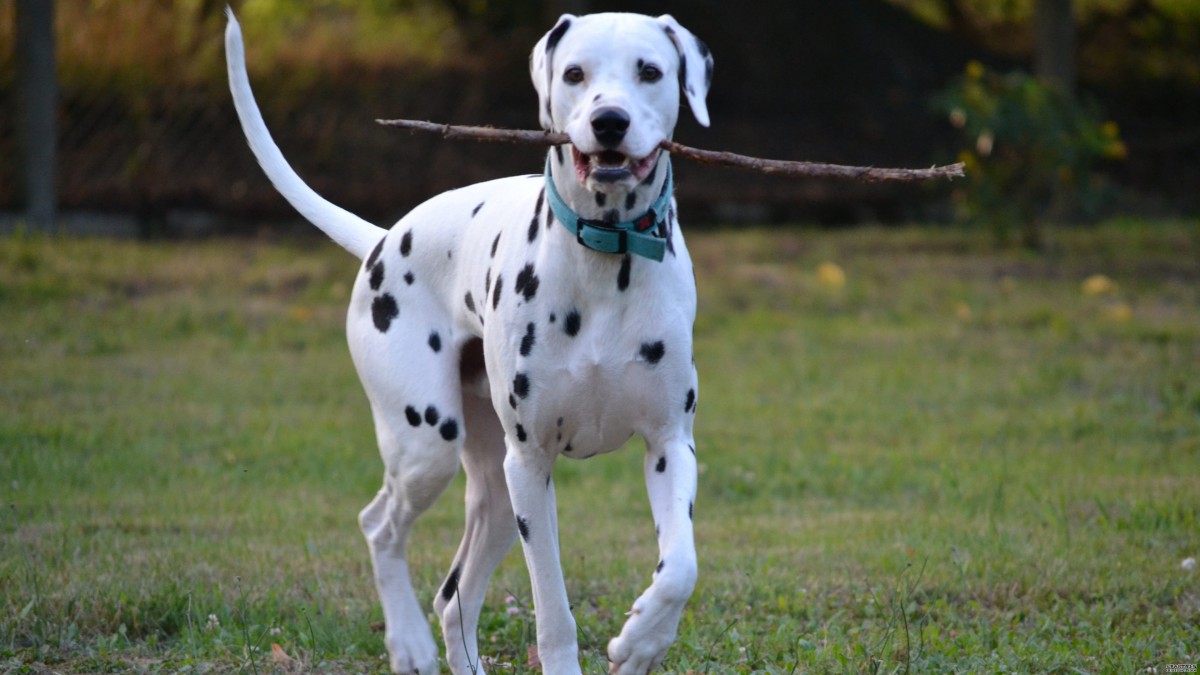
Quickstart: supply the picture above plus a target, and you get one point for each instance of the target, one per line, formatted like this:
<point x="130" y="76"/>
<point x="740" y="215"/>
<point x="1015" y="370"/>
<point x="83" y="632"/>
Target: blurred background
<point x="117" y="118"/>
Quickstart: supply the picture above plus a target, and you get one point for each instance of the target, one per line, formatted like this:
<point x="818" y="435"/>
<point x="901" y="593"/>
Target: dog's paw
<point x="629" y="657"/>
<point x="413" y="654"/>
<point x="645" y="638"/>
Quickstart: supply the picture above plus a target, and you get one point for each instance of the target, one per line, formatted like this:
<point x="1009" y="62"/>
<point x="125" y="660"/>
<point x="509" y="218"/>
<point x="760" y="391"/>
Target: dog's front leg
<point x="531" y="488"/>
<point x="671" y="483"/>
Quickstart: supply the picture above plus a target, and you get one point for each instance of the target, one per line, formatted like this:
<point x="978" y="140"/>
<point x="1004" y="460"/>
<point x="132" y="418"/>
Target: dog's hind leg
<point x="410" y="486"/>
<point x="490" y="533"/>
<point x="419" y="425"/>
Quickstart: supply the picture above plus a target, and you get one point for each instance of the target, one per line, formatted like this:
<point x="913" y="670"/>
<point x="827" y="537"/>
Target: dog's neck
<point x="608" y="207"/>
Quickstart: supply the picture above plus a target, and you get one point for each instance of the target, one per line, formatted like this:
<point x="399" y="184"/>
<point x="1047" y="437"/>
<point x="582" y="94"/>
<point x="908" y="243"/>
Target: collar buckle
<point x="621" y="245"/>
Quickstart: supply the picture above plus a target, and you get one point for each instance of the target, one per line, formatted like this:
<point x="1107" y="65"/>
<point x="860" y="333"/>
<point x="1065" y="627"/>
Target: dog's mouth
<point x="610" y="166"/>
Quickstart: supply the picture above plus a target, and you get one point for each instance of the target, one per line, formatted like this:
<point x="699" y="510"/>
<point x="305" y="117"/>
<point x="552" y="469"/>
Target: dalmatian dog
<point x="504" y="325"/>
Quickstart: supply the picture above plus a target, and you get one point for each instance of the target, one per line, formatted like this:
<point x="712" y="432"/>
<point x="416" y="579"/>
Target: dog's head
<point x="612" y="83"/>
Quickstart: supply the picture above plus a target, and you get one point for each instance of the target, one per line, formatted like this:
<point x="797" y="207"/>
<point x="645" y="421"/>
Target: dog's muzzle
<point x="610" y="165"/>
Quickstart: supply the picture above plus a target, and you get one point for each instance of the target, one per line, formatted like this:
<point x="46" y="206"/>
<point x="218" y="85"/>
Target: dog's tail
<point x="353" y="233"/>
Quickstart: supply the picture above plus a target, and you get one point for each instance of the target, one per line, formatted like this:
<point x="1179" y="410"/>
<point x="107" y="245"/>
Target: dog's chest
<point x="600" y="352"/>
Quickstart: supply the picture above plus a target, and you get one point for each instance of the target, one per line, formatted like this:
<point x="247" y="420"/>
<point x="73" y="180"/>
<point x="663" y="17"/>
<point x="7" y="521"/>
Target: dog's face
<point x="612" y="83"/>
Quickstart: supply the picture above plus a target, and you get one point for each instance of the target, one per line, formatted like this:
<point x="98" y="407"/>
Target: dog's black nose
<point x="609" y="126"/>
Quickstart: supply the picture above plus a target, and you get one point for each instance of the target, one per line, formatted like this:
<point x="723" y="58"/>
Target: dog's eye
<point x="650" y="73"/>
<point x="573" y="75"/>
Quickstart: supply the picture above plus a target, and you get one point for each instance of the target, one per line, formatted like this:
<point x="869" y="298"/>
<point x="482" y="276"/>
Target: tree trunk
<point x="1054" y="28"/>
<point x="37" y="95"/>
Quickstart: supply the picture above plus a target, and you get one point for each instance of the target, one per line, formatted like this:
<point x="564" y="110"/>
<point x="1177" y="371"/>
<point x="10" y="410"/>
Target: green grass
<point x="956" y="461"/>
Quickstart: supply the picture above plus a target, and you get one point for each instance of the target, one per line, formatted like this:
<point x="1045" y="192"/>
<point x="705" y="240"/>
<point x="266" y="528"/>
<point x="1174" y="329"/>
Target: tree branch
<point x="776" y="167"/>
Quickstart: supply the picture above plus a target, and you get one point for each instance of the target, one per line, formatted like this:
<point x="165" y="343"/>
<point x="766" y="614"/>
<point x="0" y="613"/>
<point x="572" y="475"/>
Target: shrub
<point x="1031" y="152"/>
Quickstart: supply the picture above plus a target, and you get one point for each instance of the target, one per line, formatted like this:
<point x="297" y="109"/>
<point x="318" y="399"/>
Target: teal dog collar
<point x="636" y="236"/>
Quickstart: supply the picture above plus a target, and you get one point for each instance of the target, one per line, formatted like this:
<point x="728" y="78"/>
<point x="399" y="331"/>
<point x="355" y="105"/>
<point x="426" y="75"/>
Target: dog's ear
<point x="695" y="66"/>
<point x="541" y="67"/>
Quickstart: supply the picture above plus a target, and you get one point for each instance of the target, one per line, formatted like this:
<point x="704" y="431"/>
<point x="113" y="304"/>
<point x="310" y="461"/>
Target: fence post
<point x="37" y="119"/>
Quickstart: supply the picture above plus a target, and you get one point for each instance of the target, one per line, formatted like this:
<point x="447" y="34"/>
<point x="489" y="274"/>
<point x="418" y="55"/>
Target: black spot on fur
<point x="449" y="429"/>
<point x="487" y="281"/>
<point x="528" y="340"/>
<point x="383" y="310"/>
<point x="523" y="528"/>
<point x="451" y="586"/>
<point x="375" y="254"/>
<point x="690" y="504"/>
<point x="612" y="216"/>
<point x="652" y="352"/>
<point x="549" y="216"/>
<point x="661" y="563"/>
<point x="527" y="282"/>
<point x="521" y="433"/>
<point x="495" y="244"/>
<point x="568" y="449"/>
<point x="689" y="401"/>
<point x="669" y="235"/>
<point x="470" y="302"/>
<point x="559" y="422"/>
<point x="431" y="416"/>
<point x="708" y="62"/>
<point x="521" y="385"/>
<point x="662" y="464"/>
<point x="630" y="200"/>
<point x="553" y="317"/>
<point x="475" y="211"/>
<point x="409" y="278"/>
<point x="558" y="151"/>
<point x="406" y="244"/>
<point x="414" y="417"/>
<point x="556" y="34"/>
<point x="623" y="273"/>
<point x="376" y="276"/>
<point x="496" y="293"/>
<point x="571" y="325"/>
<point x="537" y="212"/>
<point x="512" y="401"/>
<point x="693" y="449"/>
<point x="435" y="341"/>
<point x="601" y="199"/>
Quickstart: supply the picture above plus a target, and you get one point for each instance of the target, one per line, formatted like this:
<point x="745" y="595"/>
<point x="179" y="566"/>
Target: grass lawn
<point x="936" y="456"/>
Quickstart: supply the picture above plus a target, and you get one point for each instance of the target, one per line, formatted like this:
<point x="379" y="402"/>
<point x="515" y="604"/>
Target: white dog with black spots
<point x="505" y="324"/>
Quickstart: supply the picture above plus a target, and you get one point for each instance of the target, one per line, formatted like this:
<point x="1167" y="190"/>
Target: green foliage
<point x="1031" y="151"/>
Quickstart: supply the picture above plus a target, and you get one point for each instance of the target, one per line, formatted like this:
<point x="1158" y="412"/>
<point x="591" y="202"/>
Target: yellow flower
<point x="975" y="69"/>
<point x="1110" y="130"/>
<point x="830" y="275"/>
<point x="1098" y="284"/>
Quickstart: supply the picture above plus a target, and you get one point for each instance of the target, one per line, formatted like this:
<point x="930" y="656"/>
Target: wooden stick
<point x="776" y="167"/>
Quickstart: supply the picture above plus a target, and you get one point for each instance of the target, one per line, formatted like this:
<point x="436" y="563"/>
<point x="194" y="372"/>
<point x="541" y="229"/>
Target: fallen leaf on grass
<point x="531" y="656"/>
